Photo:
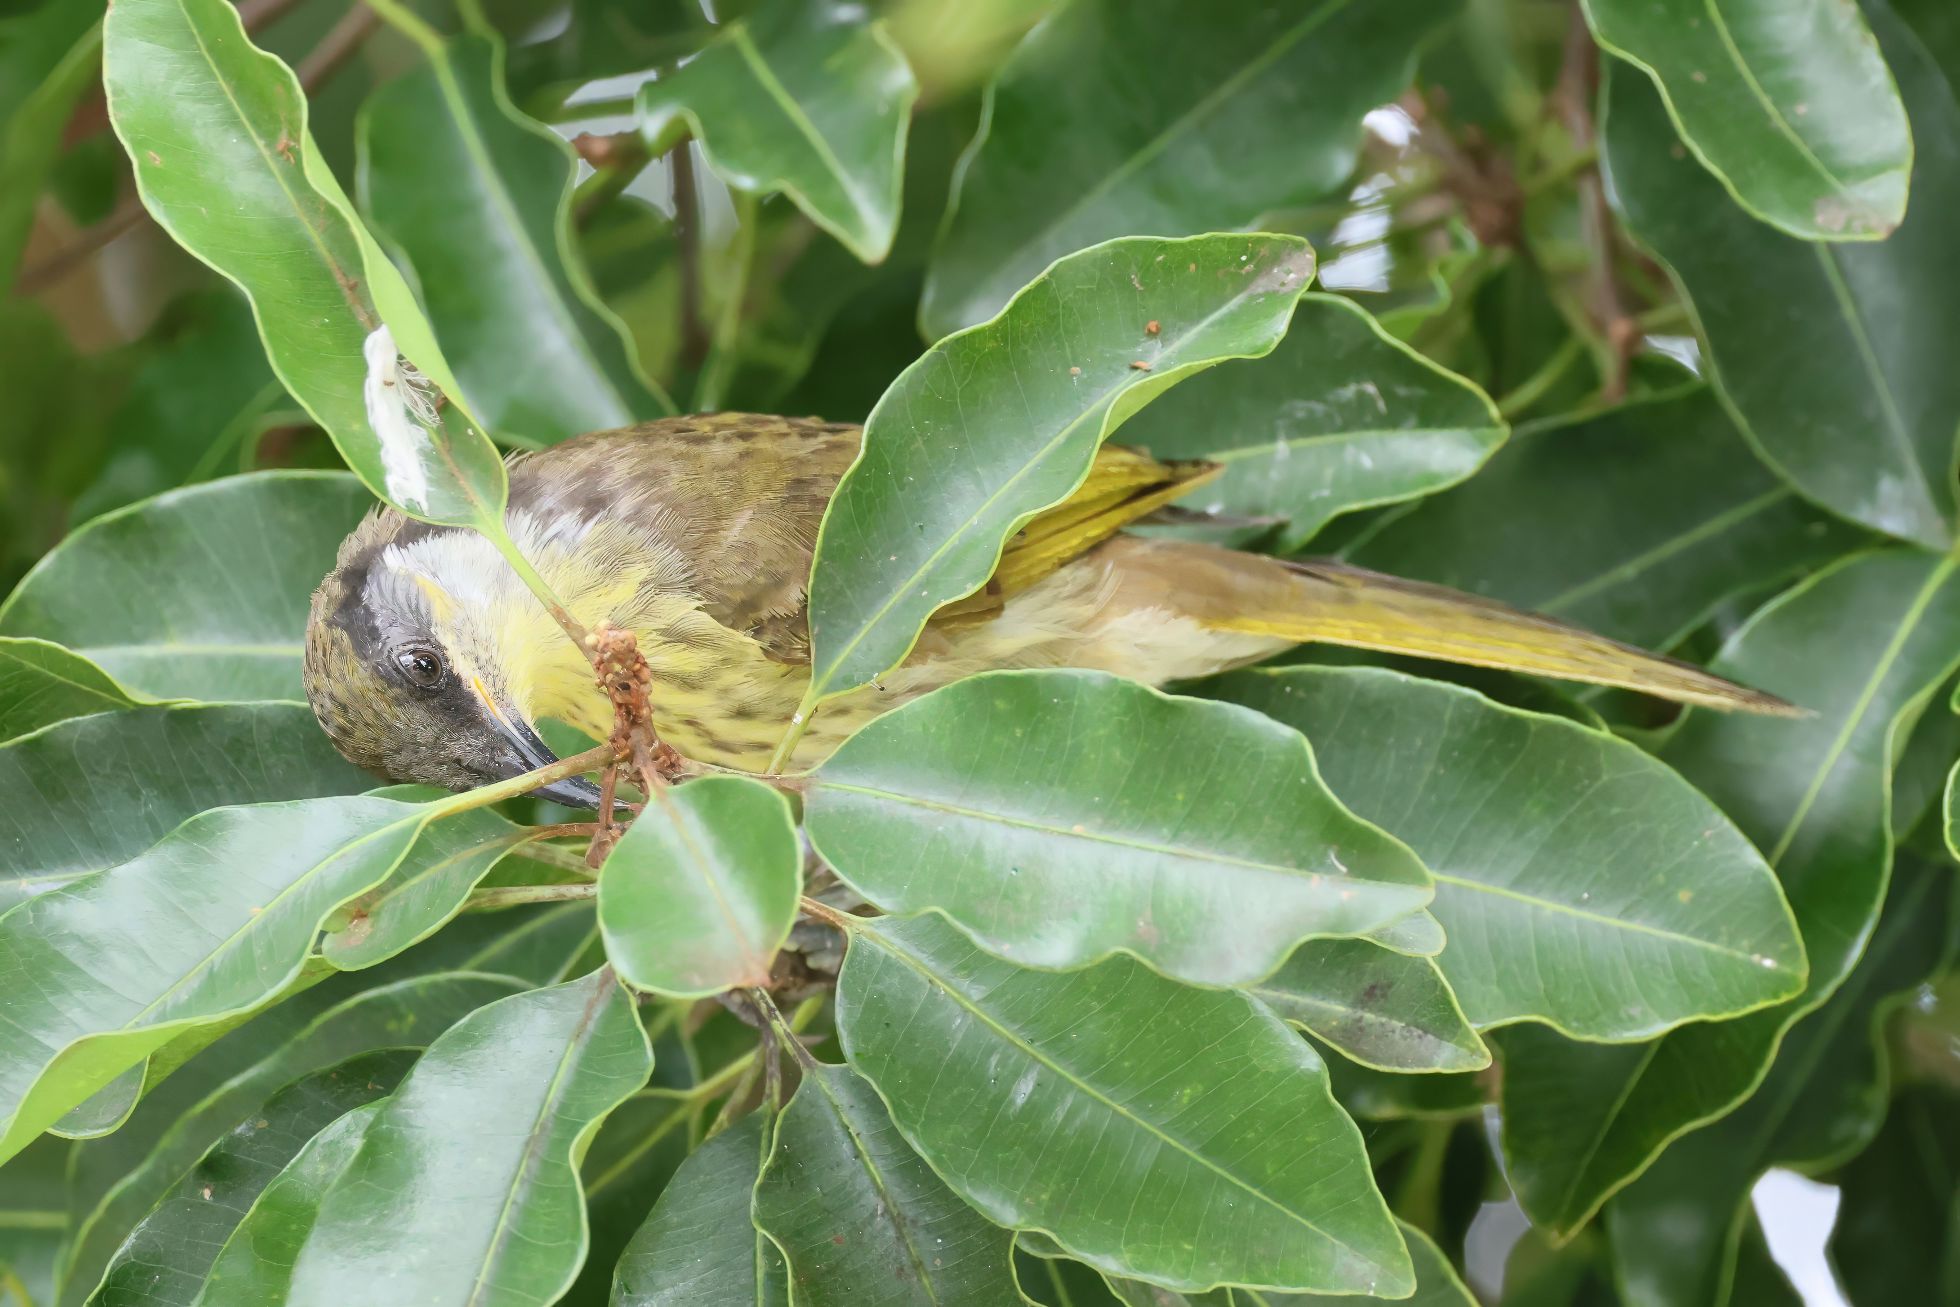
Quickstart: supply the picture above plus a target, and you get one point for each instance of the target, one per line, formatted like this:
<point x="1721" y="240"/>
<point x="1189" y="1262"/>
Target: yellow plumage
<point x="697" y="534"/>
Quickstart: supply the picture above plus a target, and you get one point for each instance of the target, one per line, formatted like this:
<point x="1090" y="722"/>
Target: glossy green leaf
<point x="1153" y="1130"/>
<point x="456" y="1193"/>
<point x="164" y="1261"/>
<point x="1340" y="416"/>
<point x="1635" y="523"/>
<point x="993" y="425"/>
<point x="699" y="1247"/>
<point x="1808" y="340"/>
<point x="92" y="792"/>
<point x="255" y="1266"/>
<point x="426" y="889"/>
<point x="1823" y="1100"/>
<point x="200" y="593"/>
<point x="860" y="1218"/>
<point x="1580" y="882"/>
<point x="1058" y="817"/>
<point x="406" y="1014"/>
<point x="42" y="683"/>
<point x="1789" y="105"/>
<point x="1385" y="1010"/>
<point x="1437" y="1283"/>
<point x="1895" y="1229"/>
<point x="1862" y="646"/>
<point x="702" y="890"/>
<point x="1419" y="935"/>
<point x="1099" y="126"/>
<point x="203" y="112"/>
<point x="477" y="199"/>
<point x="56" y="52"/>
<point x="807" y="98"/>
<point x="94" y="986"/>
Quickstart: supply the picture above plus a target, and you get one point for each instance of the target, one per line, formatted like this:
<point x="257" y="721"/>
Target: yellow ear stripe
<point x="441" y="606"/>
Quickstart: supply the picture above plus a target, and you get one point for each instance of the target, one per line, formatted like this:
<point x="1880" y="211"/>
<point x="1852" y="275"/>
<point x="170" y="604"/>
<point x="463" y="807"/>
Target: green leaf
<point x="32" y="1225"/>
<point x="425" y="890"/>
<point x="477" y="198"/>
<point x="1822" y="1101"/>
<point x="1121" y="116"/>
<point x="1580" y="882"/>
<point x="699" y="1246"/>
<point x="56" y="51"/>
<point x="1790" y="106"/>
<point x="406" y="1014"/>
<point x="255" y="1266"/>
<point x="195" y="406"/>
<point x="860" y="1218"/>
<point x="1807" y="340"/>
<point x="465" y="1184"/>
<point x="1894" y="1236"/>
<point x="200" y="593"/>
<point x="164" y="1261"/>
<point x="1385" y="1010"/>
<point x="995" y="424"/>
<point x="96" y="985"/>
<point x="1862" y="646"/>
<point x="42" y="683"/>
<point x="1341" y="416"/>
<point x="1636" y="523"/>
<point x="1217" y="1153"/>
<point x="89" y="793"/>
<point x="805" y="98"/>
<point x="1437" y="1283"/>
<point x="1059" y="817"/>
<point x="203" y="113"/>
<point x="702" y="890"/>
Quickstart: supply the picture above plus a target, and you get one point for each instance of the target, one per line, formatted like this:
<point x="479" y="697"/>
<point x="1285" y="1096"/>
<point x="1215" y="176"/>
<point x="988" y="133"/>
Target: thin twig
<point x="687" y="237"/>
<point x="255" y="14"/>
<point x="339" y="45"/>
<point x="1571" y="98"/>
<point x="86" y="245"/>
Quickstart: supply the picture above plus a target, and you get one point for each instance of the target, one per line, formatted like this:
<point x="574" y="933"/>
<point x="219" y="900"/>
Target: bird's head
<point x="416" y="660"/>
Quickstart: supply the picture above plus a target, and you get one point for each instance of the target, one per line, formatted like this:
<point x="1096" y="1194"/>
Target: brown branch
<point x="687" y="235"/>
<point x="1572" y="99"/>
<point x="339" y="45"/>
<point x="59" y="265"/>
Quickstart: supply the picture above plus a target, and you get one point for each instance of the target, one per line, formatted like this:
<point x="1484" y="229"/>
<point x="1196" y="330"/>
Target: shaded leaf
<point x="456" y="1191"/>
<point x="50" y="58"/>
<point x="255" y="1266"/>
<point x="1862" y="645"/>
<point x="995" y="424"/>
<point x="1635" y="523"/>
<point x="1058" y="817"/>
<point x="1822" y="1100"/>
<point x="200" y="593"/>
<point x="167" y="1256"/>
<point x="1340" y="416"/>
<point x="32" y="1226"/>
<point x="92" y="792"/>
<point x="406" y="1014"/>
<point x="702" y="890"/>
<point x="42" y="683"/>
<point x="1215" y="1150"/>
<point x="805" y="98"/>
<point x="1894" y="1234"/>
<point x="1790" y="106"/>
<point x="1580" y="882"/>
<point x="1809" y="340"/>
<point x="699" y="1247"/>
<point x="92" y="986"/>
<point x="477" y="198"/>
<point x="1383" y="1009"/>
<point x="203" y="112"/>
<point x="860" y="1218"/>
<point x="1102" y="123"/>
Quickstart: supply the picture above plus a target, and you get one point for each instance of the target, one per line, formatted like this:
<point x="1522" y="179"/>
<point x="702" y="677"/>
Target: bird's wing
<point x="740" y="496"/>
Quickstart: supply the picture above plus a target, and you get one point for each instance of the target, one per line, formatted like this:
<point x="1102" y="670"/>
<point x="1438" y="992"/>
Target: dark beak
<point x="573" y="791"/>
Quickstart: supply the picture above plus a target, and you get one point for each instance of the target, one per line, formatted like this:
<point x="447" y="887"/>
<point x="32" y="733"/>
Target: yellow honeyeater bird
<point x="428" y="660"/>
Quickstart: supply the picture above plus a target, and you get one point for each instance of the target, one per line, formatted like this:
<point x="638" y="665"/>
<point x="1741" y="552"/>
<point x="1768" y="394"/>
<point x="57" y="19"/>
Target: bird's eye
<point x="422" y="666"/>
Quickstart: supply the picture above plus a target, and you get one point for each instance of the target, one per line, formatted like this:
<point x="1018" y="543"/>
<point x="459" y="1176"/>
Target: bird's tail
<point x="1329" y="601"/>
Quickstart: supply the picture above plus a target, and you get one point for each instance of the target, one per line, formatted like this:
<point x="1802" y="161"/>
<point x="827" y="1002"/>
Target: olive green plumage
<point x="428" y="660"/>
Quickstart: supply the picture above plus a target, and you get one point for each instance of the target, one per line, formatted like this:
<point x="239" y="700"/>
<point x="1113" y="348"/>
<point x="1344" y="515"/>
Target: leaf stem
<point x="506" y="896"/>
<point x="576" y="765"/>
<point x="711" y="391"/>
<point x="799" y="722"/>
<point x="536" y="584"/>
<point x="1534" y="387"/>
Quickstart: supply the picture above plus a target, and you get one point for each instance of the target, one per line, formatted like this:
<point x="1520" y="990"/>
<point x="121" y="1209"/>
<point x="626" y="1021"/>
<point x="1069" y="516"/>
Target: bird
<point x="427" y="659"/>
